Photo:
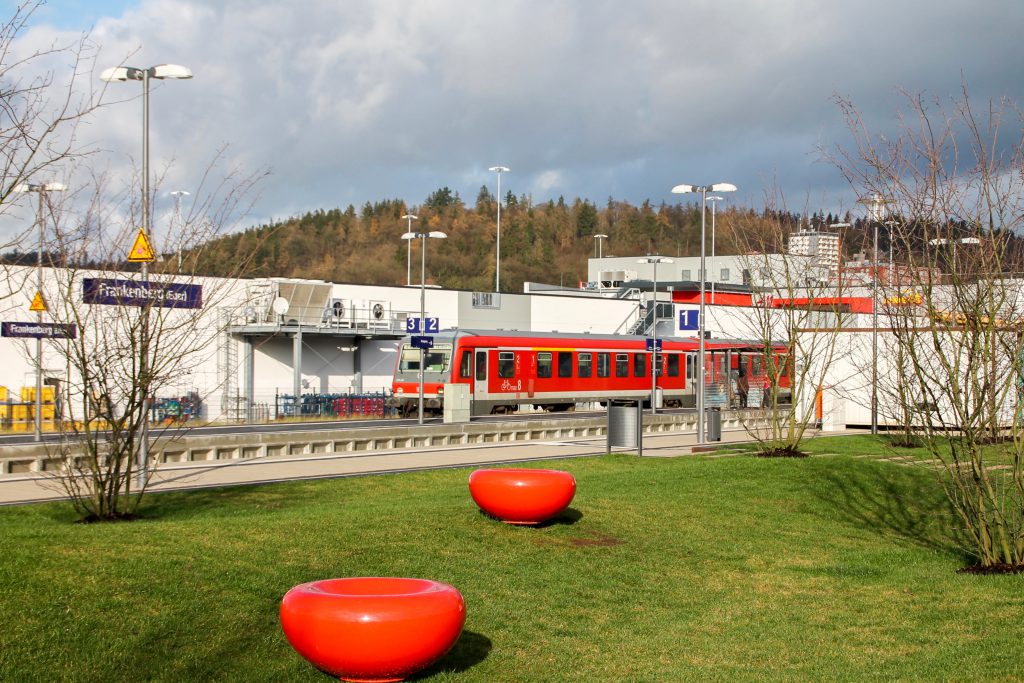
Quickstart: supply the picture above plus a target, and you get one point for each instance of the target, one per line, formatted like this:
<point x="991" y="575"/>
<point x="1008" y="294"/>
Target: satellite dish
<point x="250" y="313"/>
<point x="378" y="311"/>
<point x="339" y="309"/>
<point x="280" y="305"/>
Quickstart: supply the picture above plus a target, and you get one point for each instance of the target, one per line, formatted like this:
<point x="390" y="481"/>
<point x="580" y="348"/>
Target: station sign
<point x="689" y="319"/>
<point x="431" y="326"/>
<point x="423" y="342"/>
<point x="38" y="330"/>
<point x="653" y="344"/>
<point x="113" y="292"/>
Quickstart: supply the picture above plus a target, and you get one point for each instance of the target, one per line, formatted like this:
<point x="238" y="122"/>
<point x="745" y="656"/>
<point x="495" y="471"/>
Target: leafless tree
<point x="954" y="187"/>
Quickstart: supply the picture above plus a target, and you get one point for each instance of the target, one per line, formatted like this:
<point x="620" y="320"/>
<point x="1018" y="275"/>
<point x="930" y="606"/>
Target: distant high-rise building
<point x="823" y="246"/>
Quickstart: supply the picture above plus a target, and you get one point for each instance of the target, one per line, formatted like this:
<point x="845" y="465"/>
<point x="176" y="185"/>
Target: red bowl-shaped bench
<point x="522" y="496"/>
<point x="370" y="628"/>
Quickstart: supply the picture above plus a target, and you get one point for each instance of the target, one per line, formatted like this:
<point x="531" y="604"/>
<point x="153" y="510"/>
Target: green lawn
<point x="688" y="569"/>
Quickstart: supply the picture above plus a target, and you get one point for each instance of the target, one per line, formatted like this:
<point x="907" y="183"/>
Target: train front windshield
<point x="436" y="359"/>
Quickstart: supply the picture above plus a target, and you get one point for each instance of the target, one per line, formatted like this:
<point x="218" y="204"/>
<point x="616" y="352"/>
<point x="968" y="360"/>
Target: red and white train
<point x="555" y="371"/>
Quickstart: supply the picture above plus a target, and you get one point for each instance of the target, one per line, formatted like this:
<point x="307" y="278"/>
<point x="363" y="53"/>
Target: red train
<point x="554" y="371"/>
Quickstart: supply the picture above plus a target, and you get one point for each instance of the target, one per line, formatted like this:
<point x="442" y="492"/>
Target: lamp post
<point x="131" y="73"/>
<point x="600" y="243"/>
<point x="875" y="201"/>
<point x="714" y="199"/>
<point x="41" y="190"/>
<point x="408" y="247"/>
<point x="497" y="261"/>
<point x="423" y="297"/>
<point x="654" y="261"/>
<point x="703" y="190"/>
<point x="178" y="194"/>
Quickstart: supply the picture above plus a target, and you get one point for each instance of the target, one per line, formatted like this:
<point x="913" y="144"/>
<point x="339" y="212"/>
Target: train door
<point x="480" y="374"/>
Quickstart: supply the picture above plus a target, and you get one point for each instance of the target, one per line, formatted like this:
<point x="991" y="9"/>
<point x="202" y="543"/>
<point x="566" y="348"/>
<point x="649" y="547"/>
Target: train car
<point x="555" y="371"/>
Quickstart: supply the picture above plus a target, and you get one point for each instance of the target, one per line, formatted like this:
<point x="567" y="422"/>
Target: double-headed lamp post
<point x="178" y="194"/>
<point x="654" y="261"/>
<point x="408" y="247"/>
<point x="714" y="199"/>
<point x="41" y="190"/>
<point x="423" y="296"/>
<point x="600" y="237"/>
<point x="131" y="73"/>
<point x="875" y="201"/>
<point x="497" y="260"/>
<point x="703" y="190"/>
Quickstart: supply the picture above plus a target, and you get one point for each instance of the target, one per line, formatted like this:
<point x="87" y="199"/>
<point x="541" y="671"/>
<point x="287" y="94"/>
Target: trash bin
<point x="714" y="424"/>
<point x="625" y="425"/>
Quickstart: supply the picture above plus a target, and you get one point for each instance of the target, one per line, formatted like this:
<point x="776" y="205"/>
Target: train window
<point x="544" y="364"/>
<point x="755" y="366"/>
<point x="481" y="365"/>
<point x="691" y="364"/>
<point x="506" y="364"/>
<point x="583" y="365"/>
<point x="565" y="363"/>
<point x="434" y="360"/>
<point x="622" y="365"/>
<point x="672" y="359"/>
<point x="639" y="364"/>
<point x="466" y="364"/>
<point x="604" y="364"/>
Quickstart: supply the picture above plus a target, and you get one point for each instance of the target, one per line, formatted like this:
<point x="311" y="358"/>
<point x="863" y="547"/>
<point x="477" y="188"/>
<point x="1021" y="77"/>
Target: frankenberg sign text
<point x="134" y="293"/>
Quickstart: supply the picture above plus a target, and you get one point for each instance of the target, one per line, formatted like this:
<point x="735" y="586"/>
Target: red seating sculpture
<point x="522" y="496"/>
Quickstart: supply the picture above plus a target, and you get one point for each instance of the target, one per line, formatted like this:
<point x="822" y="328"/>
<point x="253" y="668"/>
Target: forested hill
<point x="547" y="242"/>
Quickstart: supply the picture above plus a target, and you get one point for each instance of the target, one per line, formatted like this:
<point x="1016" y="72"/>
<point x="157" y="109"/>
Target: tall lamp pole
<point x="178" y="194"/>
<point x="423" y="297"/>
<point x="875" y="202"/>
<point x="408" y="247"/>
<point x="41" y="190"/>
<point x="497" y="261"/>
<point x="714" y="199"/>
<point x="600" y="237"/>
<point x="703" y="190"/>
<point x="131" y="73"/>
<point x="654" y="261"/>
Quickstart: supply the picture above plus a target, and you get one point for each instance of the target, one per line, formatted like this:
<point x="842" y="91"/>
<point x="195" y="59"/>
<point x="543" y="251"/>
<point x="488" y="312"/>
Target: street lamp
<point x="875" y="201"/>
<point x="703" y="190"/>
<point x="423" y="279"/>
<point x="41" y="190"/>
<point x="714" y="199"/>
<point x="600" y="243"/>
<point x="178" y="194"/>
<point x="654" y="261"/>
<point x="131" y="73"/>
<point x="497" y="262"/>
<point x="408" y="248"/>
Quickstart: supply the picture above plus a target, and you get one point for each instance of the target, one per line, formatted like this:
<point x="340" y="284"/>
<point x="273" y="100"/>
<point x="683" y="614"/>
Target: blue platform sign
<point x="137" y="293"/>
<point x="423" y="342"/>
<point x="689" y="319"/>
<point x="38" y="330"/>
<point x="432" y="326"/>
<point x="652" y="343"/>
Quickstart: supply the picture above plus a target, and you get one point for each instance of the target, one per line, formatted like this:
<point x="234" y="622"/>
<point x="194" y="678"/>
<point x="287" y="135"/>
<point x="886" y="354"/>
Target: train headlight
<point x="440" y="391"/>
<point x="399" y="390"/>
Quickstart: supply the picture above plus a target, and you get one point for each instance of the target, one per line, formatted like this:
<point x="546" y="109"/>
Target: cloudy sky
<point x="348" y="101"/>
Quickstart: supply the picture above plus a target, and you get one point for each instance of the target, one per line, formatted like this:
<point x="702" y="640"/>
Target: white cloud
<point x="370" y="99"/>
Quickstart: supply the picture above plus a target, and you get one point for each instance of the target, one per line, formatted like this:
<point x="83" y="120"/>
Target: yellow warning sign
<point x="142" y="250"/>
<point x="38" y="303"/>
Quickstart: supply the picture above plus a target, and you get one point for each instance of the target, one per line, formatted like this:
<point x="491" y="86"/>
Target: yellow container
<point x="28" y="394"/>
<point x="3" y="393"/>
<point x="24" y="426"/>
<point x="21" y="411"/>
<point x="48" y="412"/>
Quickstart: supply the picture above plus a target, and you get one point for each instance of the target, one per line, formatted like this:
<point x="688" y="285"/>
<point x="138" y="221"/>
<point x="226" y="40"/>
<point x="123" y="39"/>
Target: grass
<point x="689" y="569"/>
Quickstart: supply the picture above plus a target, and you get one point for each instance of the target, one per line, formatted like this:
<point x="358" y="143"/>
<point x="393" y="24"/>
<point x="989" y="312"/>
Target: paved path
<point x="39" y="487"/>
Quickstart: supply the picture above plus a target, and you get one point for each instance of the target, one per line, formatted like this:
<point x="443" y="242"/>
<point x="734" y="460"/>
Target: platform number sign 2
<point x="413" y="325"/>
